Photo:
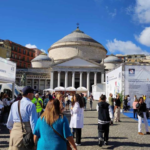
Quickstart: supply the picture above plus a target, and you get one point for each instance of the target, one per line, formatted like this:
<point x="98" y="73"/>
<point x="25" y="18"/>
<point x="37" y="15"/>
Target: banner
<point x="7" y="71"/>
<point x="114" y="82"/>
<point x="137" y="82"/>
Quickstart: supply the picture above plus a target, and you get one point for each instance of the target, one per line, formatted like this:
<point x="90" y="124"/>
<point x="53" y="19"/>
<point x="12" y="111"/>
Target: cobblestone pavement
<point x="123" y="135"/>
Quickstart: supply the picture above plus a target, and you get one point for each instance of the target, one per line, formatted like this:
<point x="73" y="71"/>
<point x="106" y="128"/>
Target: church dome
<point x="76" y="36"/>
<point x="77" y="44"/>
<point x="112" y="59"/>
<point x="41" y="61"/>
<point x="41" y="57"/>
<point x="111" y="62"/>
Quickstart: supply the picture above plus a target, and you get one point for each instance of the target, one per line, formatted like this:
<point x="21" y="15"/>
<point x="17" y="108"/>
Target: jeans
<point x="85" y="106"/>
<point x="103" y="131"/>
<point x="135" y="113"/>
<point x="91" y="104"/>
<point x="112" y="112"/>
<point x="78" y="135"/>
<point x="39" y="114"/>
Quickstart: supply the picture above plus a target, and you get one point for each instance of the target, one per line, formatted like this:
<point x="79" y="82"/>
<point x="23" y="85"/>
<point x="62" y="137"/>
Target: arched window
<point x="24" y="51"/>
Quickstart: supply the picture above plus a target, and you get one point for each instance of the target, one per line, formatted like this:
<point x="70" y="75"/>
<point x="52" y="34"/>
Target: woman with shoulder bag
<point x="52" y="129"/>
<point x="141" y="110"/>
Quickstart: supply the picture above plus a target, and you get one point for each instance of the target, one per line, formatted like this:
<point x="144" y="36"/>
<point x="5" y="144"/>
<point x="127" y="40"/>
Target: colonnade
<point x="73" y="79"/>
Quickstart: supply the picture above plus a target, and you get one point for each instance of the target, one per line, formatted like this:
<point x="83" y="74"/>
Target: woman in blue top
<point x="44" y="136"/>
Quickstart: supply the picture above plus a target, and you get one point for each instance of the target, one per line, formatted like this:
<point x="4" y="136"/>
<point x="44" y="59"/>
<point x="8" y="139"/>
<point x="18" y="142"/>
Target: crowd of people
<point x="33" y="112"/>
<point x="43" y="117"/>
<point x="140" y="110"/>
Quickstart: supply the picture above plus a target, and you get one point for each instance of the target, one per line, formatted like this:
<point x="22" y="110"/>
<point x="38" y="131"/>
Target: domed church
<point x="73" y="61"/>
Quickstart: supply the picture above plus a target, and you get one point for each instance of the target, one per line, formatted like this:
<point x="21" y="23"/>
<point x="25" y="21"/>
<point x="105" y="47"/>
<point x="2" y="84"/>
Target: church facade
<point x="74" y="61"/>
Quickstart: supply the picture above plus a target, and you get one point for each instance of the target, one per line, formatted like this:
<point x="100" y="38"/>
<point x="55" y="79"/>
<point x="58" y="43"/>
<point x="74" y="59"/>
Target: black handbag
<point x="28" y="137"/>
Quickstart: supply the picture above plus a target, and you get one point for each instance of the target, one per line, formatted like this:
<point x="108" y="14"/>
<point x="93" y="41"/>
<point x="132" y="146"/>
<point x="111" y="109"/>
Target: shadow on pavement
<point x="4" y="144"/>
<point x="115" y="144"/>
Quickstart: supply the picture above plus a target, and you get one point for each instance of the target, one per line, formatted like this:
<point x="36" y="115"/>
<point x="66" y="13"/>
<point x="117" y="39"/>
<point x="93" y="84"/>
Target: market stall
<point x="7" y="74"/>
<point x="50" y="90"/>
<point x="71" y="90"/>
<point x="82" y="90"/>
<point x="60" y="89"/>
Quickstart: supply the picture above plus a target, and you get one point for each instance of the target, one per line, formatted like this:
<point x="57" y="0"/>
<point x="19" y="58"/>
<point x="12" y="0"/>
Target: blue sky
<point x="121" y="26"/>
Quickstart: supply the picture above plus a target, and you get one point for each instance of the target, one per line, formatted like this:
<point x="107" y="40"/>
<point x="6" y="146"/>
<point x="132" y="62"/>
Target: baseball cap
<point x="27" y="89"/>
<point x="50" y="97"/>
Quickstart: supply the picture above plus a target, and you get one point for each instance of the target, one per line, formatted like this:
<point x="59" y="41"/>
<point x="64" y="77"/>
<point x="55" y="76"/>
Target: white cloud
<point x="34" y="46"/>
<point x="114" y="13"/>
<point x="142" y="11"/>
<point x="129" y="10"/>
<point x="44" y="51"/>
<point x="111" y="13"/>
<point x="30" y="46"/>
<point x="123" y="47"/>
<point x="144" y="37"/>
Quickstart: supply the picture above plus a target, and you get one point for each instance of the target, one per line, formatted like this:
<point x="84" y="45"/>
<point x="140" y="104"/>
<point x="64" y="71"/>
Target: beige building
<point x="132" y="58"/>
<point x="5" y="49"/>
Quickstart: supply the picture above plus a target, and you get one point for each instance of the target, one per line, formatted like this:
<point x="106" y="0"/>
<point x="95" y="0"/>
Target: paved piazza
<point x="123" y="136"/>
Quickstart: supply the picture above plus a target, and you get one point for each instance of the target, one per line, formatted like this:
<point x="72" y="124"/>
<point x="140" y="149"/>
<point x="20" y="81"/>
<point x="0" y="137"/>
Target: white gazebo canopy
<point x="71" y="89"/>
<point x="60" y="88"/>
<point x="51" y="90"/>
<point x="81" y="89"/>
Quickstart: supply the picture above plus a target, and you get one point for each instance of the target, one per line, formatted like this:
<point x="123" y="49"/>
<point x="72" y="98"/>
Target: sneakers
<point x="147" y="132"/>
<point x="100" y="142"/>
<point x="140" y="133"/>
<point x="105" y="142"/>
<point x="78" y="144"/>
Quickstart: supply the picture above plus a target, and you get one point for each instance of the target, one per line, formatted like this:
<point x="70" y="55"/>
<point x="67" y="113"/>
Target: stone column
<point x="80" y="79"/>
<point x="88" y="82"/>
<point x="33" y="83"/>
<point x="19" y="81"/>
<point x="66" y="79"/>
<point x="73" y="77"/>
<point x="13" y="90"/>
<point x="95" y="78"/>
<point x="45" y="83"/>
<point x="39" y="84"/>
<point x="58" y="83"/>
<point x="102" y="77"/>
<point x="52" y="80"/>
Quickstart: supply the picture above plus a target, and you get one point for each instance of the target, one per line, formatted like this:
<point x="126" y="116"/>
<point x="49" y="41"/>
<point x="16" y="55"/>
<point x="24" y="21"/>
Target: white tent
<point x="60" y="88"/>
<point x="8" y="74"/>
<point x="19" y="87"/>
<point x="82" y="89"/>
<point x="51" y="90"/>
<point x="71" y="89"/>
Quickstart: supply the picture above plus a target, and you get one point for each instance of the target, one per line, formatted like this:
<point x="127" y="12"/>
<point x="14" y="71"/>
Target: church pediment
<point x="77" y="62"/>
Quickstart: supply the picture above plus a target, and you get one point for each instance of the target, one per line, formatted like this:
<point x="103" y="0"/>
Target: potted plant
<point x="121" y="95"/>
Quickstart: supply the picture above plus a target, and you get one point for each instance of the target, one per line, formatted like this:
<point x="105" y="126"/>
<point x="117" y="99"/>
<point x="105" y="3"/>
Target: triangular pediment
<point x="77" y="62"/>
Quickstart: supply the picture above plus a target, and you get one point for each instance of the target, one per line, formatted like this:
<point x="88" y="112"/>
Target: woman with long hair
<point x="141" y="111"/>
<point x="60" y="98"/>
<point x="50" y="122"/>
<point x="77" y="117"/>
<point x="134" y="106"/>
